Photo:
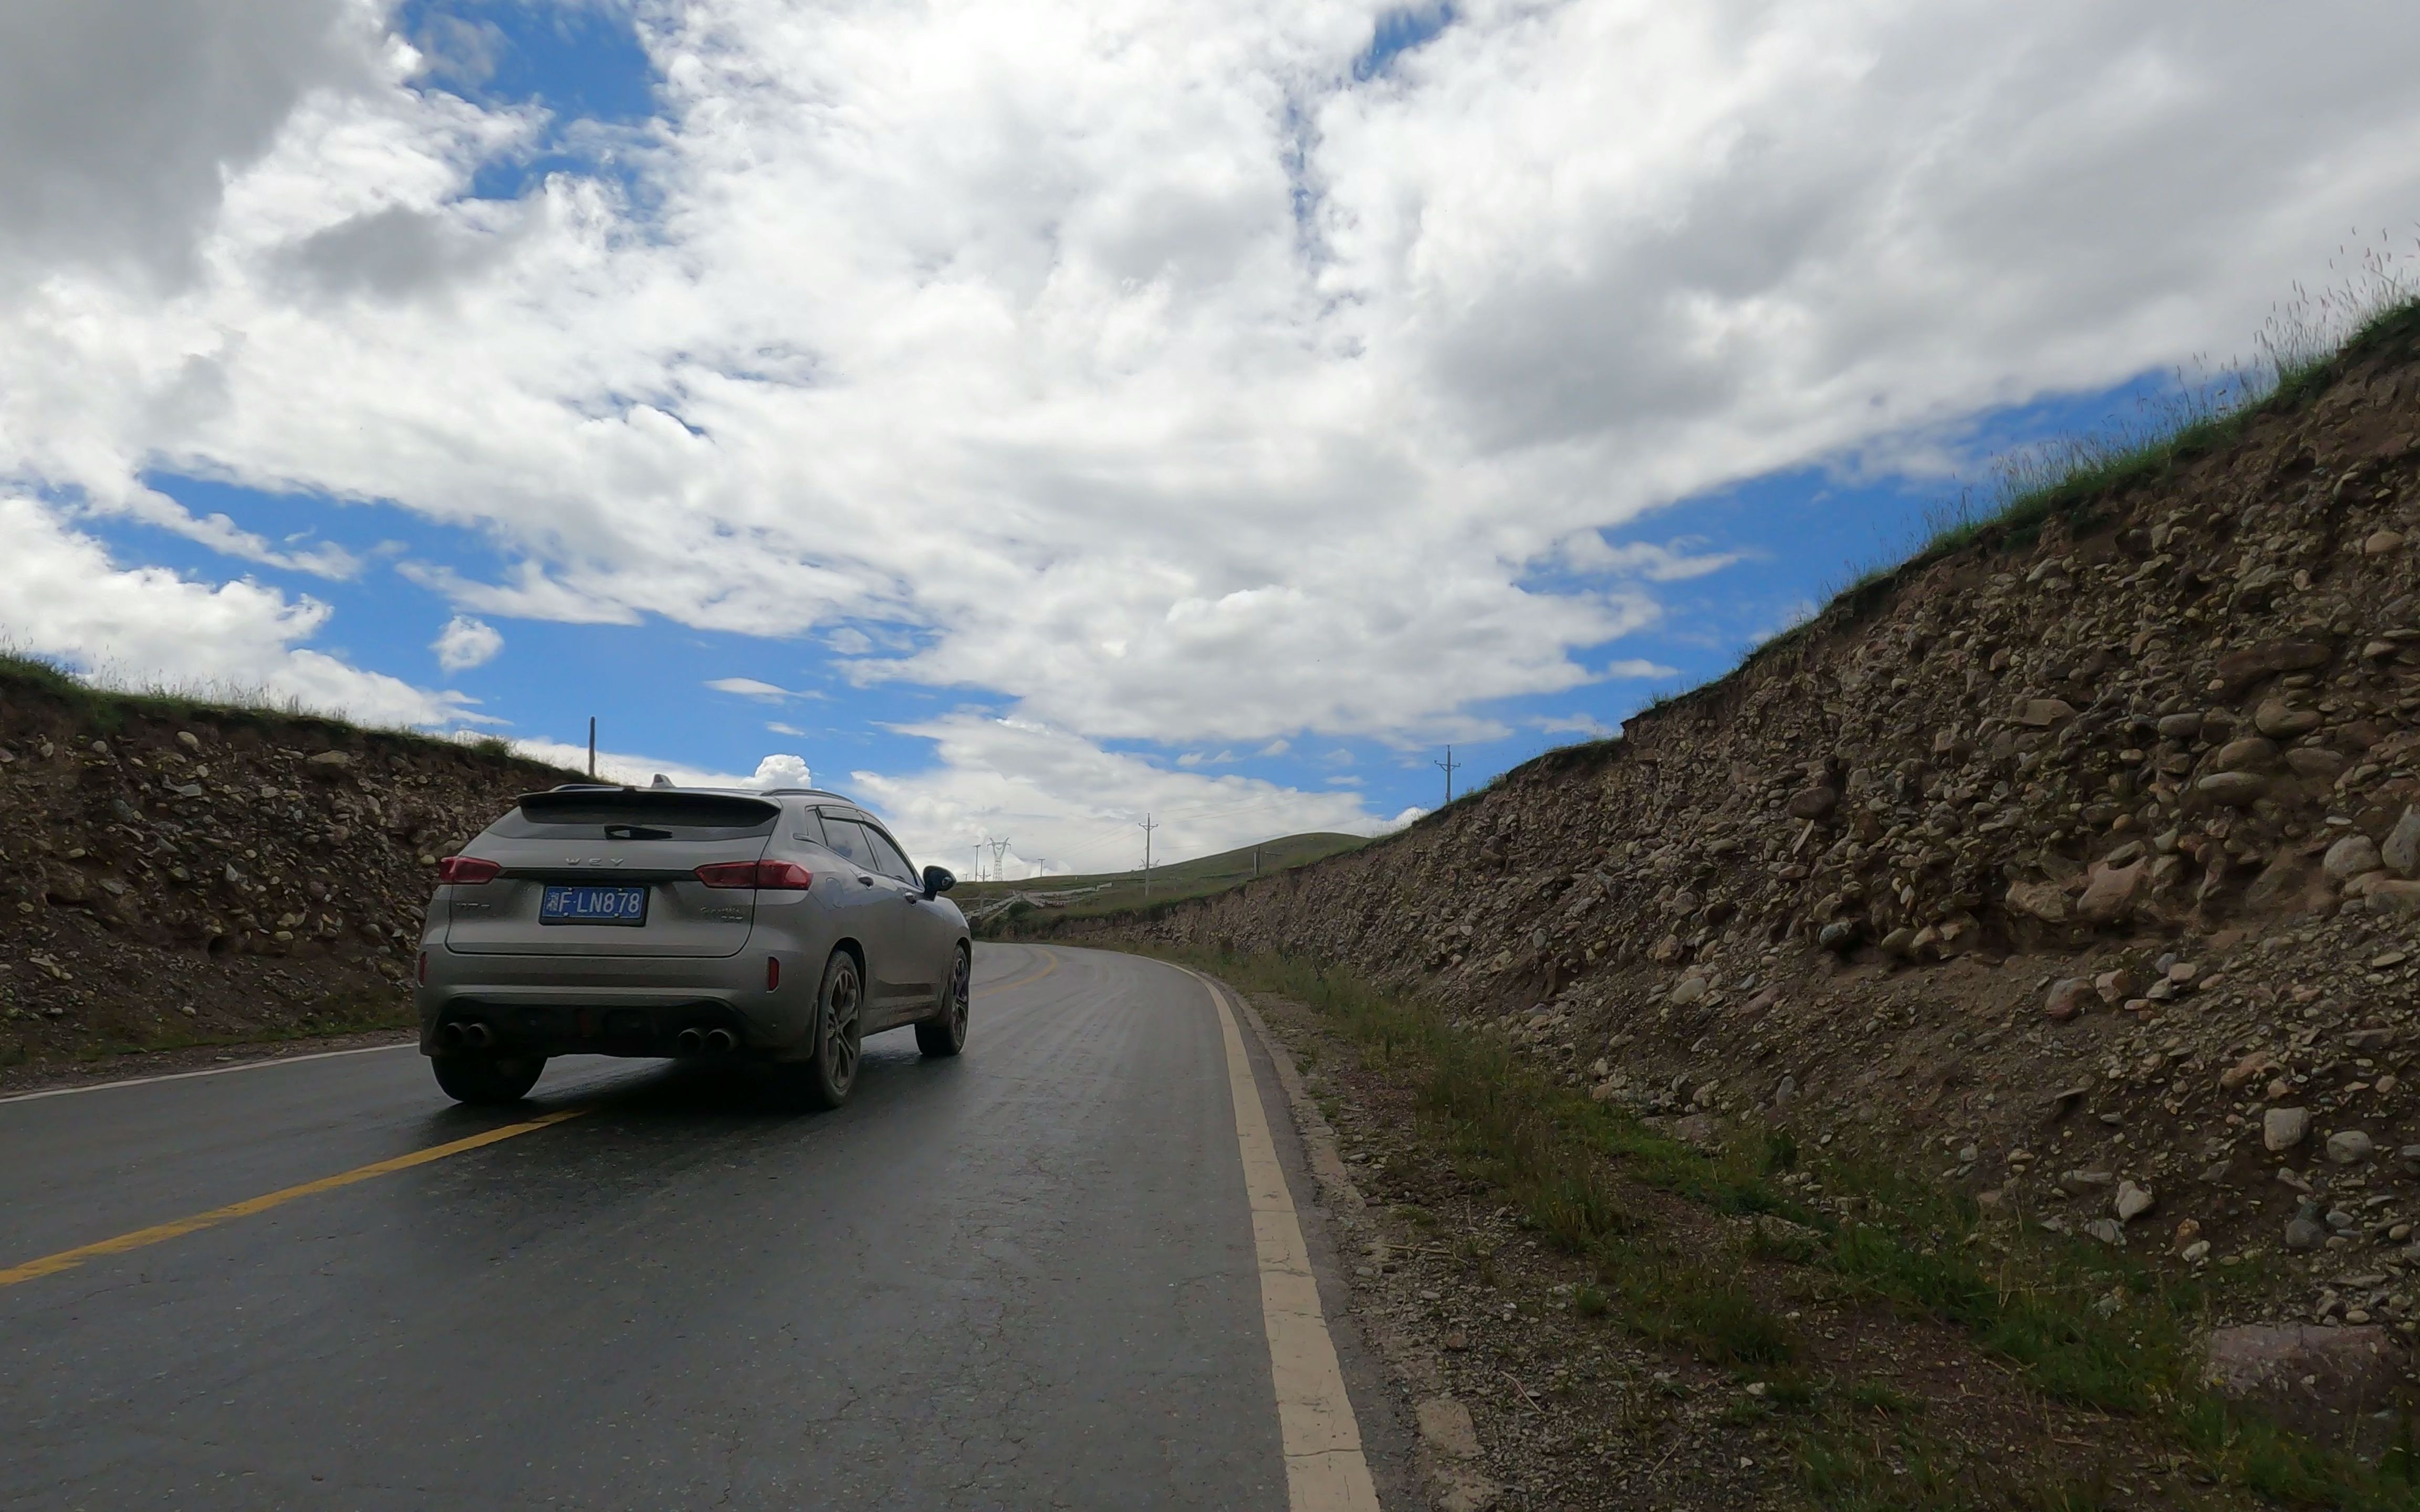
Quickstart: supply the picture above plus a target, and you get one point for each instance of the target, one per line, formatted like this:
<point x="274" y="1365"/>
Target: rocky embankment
<point x="2080" y="866"/>
<point x="175" y="874"/>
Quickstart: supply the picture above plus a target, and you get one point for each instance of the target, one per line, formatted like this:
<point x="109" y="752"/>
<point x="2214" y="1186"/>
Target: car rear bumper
<point x="556" y="1005"/>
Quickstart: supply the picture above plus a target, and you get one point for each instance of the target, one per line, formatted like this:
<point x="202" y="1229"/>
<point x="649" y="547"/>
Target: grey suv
<point x="786" y="925"/>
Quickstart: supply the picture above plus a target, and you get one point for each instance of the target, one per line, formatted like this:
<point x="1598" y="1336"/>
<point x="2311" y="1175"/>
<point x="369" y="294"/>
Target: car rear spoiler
<point x="603" y="805"/>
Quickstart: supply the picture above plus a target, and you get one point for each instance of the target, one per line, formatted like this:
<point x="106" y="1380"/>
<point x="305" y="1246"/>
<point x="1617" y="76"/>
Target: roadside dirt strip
<point x="1717" y="1372"/>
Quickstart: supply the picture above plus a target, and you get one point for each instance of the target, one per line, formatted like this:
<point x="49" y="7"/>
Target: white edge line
<point x="214" y="1070"/>
<point x="1327" y="1467"/>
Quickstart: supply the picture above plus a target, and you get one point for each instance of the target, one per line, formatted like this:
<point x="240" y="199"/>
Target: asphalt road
<point x="1023" y="1278"/>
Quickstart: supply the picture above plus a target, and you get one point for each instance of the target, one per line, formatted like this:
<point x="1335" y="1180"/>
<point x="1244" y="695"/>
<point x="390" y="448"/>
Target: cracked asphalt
<point x="1023" y="1278"/>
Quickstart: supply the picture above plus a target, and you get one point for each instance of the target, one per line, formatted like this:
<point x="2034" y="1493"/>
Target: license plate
<point x="592" y="906"/>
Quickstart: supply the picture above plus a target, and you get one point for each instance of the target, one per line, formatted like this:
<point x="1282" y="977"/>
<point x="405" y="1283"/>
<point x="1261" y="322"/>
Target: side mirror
<point x="938" y="880"/>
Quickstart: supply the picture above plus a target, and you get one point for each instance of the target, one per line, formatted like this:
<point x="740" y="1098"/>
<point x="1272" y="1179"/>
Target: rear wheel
<point x="831" y="1070"/>
<point x="947" y="1034"/>
<point x="483" y="1079"/>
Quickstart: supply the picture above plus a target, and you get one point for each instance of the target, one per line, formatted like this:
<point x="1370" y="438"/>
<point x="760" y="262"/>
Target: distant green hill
<point x="1100" y="892"/>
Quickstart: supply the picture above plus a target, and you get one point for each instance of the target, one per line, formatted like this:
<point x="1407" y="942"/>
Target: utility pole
<point x="591" y="748"/>
<point x="1147" y="828"/>
<point x="1256" y="860"/>
<point x="1448" y="763"/>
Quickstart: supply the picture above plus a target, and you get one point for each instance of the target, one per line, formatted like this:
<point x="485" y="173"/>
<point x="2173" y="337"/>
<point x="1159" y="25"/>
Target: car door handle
<point x="865" y="882"/>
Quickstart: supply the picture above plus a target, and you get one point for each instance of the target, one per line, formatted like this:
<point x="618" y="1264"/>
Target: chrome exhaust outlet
<point x="721" y="1041"/>
<point x="450" y="1036"/>
<point x="690" y="1042"/>
<point x="477" y="1036"/>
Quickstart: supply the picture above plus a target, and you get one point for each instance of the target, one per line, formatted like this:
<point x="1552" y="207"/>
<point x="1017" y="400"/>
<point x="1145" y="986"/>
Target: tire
<point x="830" y="1069"/>
<point x="486" y="1080"/>
<point x="947" y="1034"/>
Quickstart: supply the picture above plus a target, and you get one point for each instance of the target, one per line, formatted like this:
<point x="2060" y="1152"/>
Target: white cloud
<point x="61" y="596"/>
<point x="1071" y="807"/>
<point x="750" y="687"/>
<point x="465" y="643"/>
<point x="1225" y="412"/>
<point x="1575" y="724"/>
<point x="782" y="772"/>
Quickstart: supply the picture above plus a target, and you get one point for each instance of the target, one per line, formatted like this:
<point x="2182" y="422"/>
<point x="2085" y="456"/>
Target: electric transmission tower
<point x="1448" y="764"/>
<point x="999" y="850"/>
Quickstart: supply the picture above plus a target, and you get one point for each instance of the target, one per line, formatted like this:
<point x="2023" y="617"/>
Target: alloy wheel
<point x="841" y="1044"/>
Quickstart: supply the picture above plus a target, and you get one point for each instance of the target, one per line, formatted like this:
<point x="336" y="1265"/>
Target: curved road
<point x="1023" y="1278"/>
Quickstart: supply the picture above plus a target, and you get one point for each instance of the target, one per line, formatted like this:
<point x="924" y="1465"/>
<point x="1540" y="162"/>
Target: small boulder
<point x="2401" y="852"/>
<point x="2378" y="543"/>
<point x="2280" y="721"/>
<point x="2284" y="1127"/>
<point x="2238" y="669"/>
<point x="2304" y="1231"/>
<point x="2319" y="766"/>
<point x="2349" y="1147"/>
<point x="2328" y="1382"/>
<point x="2110" y="891"/>
<point x="2234" y="788"/>
<point x="2350" y="858"/>
<point x="1446" y="1426"/>
<point x="2180" y="726"/>
<point x="2393" y="895"/>
<point x="1689" y="990"/>
<point x="2041" y="714"/>
<point x="2118" y="985"/>
<point x="2252" y="753"/>
<point x="1840" y="936"/>
<point x="1813" y="803"/>
<point x="2065" y="999"/>
<point x="189" y="740"/>
<point x="2132" y="1201"/>
<point x="2251" y="1067"/>
<point x="2044" y="900"/>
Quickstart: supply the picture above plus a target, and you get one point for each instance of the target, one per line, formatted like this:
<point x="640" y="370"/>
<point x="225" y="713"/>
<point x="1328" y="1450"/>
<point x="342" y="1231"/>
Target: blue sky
<point x="1033" y="419"/>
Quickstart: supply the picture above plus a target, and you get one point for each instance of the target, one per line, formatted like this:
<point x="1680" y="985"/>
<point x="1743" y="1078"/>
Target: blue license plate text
<point x="592" y="906"/>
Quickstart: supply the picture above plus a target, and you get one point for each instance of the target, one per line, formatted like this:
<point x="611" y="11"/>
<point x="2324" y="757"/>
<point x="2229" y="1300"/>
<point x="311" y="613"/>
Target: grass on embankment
<point x="2081" y="1324"/>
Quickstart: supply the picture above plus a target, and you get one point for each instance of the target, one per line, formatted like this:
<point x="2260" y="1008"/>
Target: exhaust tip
<point x="689" y="1042"/>
<point x="450" y="1036"/>
<point x="477" y="1036"/>
<point x="721" y="1041"/>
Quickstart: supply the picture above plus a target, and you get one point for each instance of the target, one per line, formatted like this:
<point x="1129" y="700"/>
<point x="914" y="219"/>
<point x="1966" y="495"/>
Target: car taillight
<point x="467" y="871"/>
<point x="773" y="972"/>
<point x="756" y="874"/>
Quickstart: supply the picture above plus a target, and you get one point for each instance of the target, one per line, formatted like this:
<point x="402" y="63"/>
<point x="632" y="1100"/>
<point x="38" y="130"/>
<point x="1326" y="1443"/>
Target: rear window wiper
<point x="636" y="832"/>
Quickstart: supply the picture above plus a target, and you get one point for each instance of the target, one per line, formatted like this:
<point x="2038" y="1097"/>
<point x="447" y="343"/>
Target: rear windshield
<point x="637" y="814"/>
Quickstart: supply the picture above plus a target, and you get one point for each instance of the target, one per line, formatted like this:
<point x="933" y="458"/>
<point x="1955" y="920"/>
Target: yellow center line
<point x="1025" y="981"/>
<point x="159" y="1233"/>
